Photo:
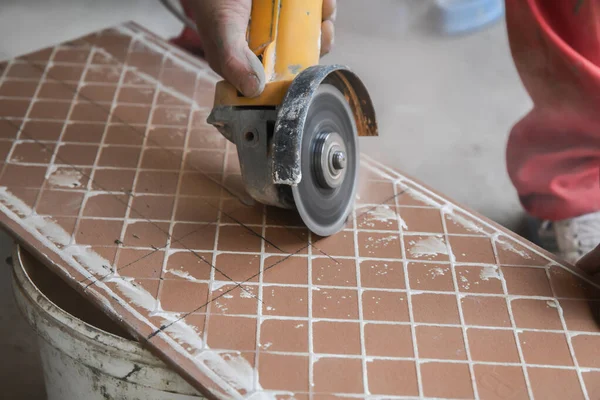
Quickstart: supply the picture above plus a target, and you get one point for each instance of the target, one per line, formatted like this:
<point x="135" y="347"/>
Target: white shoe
<point x="571" y="238"/>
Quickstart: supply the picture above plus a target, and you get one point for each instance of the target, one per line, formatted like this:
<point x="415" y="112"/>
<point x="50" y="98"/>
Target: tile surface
<point x="112" y="177"/>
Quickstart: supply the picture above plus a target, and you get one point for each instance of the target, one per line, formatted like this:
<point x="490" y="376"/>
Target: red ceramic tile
<point x="287" y="240"/>
<point x="338" y="375"/>
<point x="290" y="336"/>
<point x="375" y="192"/>
<point x="113" y="180"/>
<point x="426" y="248"/>
<point x="231" y="333"/>
<point x="479" y="279"/>
<point x="235" y="212"/>
<point x="194" y="209"/>
<point x="67" y="73"/>
<point x="11" y="88"/>
<point x="76" y="154"/>
<point x="472" y="249"/>
<point x="25" y="71"/>
<point x="233" y="299"/>
<point x="335" y="303"/>
<point x="98" y="232"/>
<point x="512" y="253"/>
<point x="446" y="380"/>
<point x="23" y="176"/>
<point x="237" y="267"/>
<point x="578" y="315"/>
<point x="285" y="301"/>
<point x="497" y="382"/>
<point x="340" y="244"/>
<point x="171" y="116"/>
<point x="536" y="314"/>
<point x="119" y="156"/>
<point x="5" y="147"/>
<point x="379" y="245"/>
<point x="567" y="285"/>
<point x="430" y="277"/>
<point x="391" y="377"/>
<point x="68" y="178"/>
<point x="182" y="81"/>
<point x="493" y="345"/>
<point x="135" y="95"/>
<point x="587" y="350"/>
<point x="167" y="99"/>
<point x="158" y="158"/>
<point x="283" y="372"/>
<point x="57" y="90"/>
<point x="140" y="263"/>
<point x="385" y="306"/>
<point x="49" y="109"/>
<point x="13" y="108"/>
<point x="106" y="205"/>
<point x="76" y="56"/>
<point x="33" y="153"/>
<point x="183" y="296"/>
<point x="130" y="114"/>
<point x="387" y="340"/>
<point x="199" y="184"/>
<point x="331" y="272"/>
<point x="592" y="383"/>
<point x="102" y="74"/>
<point x="146" y="234"/>
<point x="289" y="269"/>
<point x="42" y="130"/>
<point x="527" y="281"/>
<point x="435" y="308"/>
<point x="132" y="78"/>
<point x="278" y="216"/>
<point x="336" y="337"/>
<point x="555" y="384"/>
<point x="536" y="348"/>
<point x="87" y="112"/>
<point x="156" y="182"/>
<point x="442" y="343"/>
<point x="193" y="236"/>
<point x="53" y="202"/>
<point x="152" y="207"/>
<point x="384" y="217"/>
<point x="206" y="139"/>
<point x="166" y="136"/>
<point x="97" y="93"/>
<point x="382" y="274"/>
<point x="239" y="238"/>
<point x="421" y="220"/>
<point x="124" y="134"/>
<point x="188" y="265"/>
<point x="82" y="132"/>
<point x="485" y="311"/>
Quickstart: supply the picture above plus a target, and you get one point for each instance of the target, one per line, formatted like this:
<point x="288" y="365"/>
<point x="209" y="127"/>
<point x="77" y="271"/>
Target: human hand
<point x="590" y="263"/>
<point x="222" y="25"/>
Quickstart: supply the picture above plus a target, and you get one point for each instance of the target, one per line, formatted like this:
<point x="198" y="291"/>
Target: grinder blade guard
<point x="297" y="143"/>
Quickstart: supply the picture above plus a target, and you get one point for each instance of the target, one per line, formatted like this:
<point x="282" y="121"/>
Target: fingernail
<point x="250" y="86"/>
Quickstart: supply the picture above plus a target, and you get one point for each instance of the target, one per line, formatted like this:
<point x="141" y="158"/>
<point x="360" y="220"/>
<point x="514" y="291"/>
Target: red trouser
<point x="553" y="154"/>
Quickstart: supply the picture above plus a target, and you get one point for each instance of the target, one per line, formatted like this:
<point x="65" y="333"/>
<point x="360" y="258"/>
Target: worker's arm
<point x="222" y="25"/>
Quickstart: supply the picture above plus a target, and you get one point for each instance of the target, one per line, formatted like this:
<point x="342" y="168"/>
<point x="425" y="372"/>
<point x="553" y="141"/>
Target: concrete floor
<point x="445" y="106"/>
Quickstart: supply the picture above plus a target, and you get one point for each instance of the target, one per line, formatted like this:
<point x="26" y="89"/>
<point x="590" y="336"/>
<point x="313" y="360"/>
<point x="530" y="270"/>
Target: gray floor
<point x="445" y="106"/>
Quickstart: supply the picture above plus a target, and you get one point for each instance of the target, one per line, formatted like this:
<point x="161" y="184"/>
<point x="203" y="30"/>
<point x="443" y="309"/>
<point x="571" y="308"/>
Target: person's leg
<point x="553" y="154"/>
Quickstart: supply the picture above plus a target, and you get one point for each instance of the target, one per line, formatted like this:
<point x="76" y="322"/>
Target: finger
<point x="329" y="10"/>
<point x="327" y="37"/>
<point x="223" y="23"/>
<point x="590" y="263"/>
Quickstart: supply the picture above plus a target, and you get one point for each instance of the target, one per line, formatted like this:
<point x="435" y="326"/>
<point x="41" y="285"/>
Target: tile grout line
<point x="513" y="323"/>
<point x="568" y="338"/>
<point x="259" y="305"/>
<point x="311" y="353"/>
<point x="131" y="198"/>
<point x="180" y="174"/>
<point x="459" y="298"/>
<point x="359" y="290"/>
<point x="411" y="315"/>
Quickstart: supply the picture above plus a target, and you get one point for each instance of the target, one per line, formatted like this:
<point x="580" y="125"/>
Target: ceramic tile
<point x="106" y="139"/>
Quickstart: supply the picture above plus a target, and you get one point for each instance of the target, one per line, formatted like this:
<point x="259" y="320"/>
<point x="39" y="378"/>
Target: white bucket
<point x="84" y="354"/>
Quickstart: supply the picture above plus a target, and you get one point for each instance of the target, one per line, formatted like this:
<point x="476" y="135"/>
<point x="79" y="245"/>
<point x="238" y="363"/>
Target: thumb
<point x="241" y="67"/>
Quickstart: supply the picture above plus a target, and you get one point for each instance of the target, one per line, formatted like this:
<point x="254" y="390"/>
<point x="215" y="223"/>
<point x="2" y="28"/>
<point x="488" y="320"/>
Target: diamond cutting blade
<point x="329" y="162"/>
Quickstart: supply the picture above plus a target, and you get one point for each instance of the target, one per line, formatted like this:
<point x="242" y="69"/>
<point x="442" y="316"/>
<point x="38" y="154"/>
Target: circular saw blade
<point x="325" y="209"/>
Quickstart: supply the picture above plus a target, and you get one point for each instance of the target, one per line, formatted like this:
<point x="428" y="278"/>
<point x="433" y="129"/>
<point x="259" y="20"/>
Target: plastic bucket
<point x="84" y="354"/>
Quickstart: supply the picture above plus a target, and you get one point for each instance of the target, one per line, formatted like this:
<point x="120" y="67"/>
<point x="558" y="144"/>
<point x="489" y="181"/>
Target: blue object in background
<point x="464" y="16"/>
